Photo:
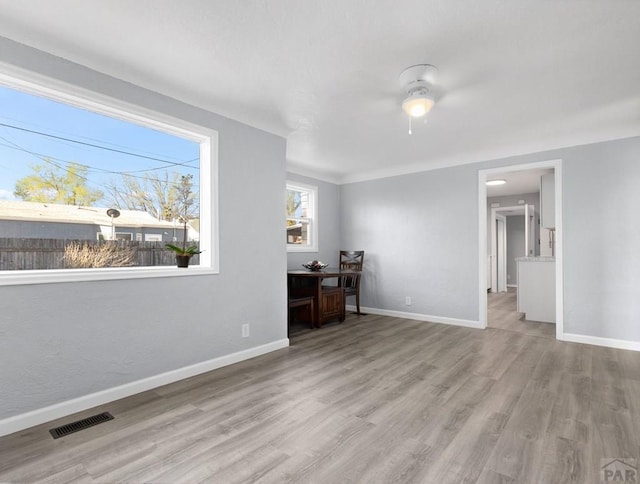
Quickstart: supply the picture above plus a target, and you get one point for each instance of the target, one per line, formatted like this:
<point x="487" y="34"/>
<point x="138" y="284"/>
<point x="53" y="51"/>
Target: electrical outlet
<point x="407" y="300"/>
<point x="245" y="330"/>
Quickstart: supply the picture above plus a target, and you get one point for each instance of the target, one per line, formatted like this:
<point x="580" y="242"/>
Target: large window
<point x="302" y="217"/>
<point x="94" y="188"/>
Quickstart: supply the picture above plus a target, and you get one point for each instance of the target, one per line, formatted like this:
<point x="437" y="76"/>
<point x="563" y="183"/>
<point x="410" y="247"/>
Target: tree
<point x="186" y="201"/>
<point x="293" y="203"/>
<point x="54" y="184"/>
<point x="161" y="195"/>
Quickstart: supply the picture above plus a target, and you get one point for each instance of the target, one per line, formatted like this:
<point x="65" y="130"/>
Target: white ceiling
<point x="515" y="77"/>
<point x="517" y="182"/>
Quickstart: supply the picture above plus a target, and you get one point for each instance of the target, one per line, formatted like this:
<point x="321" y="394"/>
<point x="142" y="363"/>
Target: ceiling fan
<point x="418" y="82"/>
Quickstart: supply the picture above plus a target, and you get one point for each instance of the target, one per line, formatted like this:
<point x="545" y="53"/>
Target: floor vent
<point x="85" y="423"/>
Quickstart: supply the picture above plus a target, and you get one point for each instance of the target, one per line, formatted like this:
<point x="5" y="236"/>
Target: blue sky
<point x="20" y="149"/>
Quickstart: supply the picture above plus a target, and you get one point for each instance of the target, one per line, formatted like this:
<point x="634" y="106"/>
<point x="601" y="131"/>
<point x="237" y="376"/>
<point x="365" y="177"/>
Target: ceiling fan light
<point x="417" y="104"/>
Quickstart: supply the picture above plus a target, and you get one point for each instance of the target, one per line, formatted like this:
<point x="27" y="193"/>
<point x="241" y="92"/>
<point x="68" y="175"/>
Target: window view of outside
<point x="84" y="190"/>
<point x="298" y="212"/>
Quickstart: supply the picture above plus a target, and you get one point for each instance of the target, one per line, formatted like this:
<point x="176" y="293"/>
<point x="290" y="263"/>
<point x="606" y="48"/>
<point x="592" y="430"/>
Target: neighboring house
<point x="36" y="220"/>
<point x="193" y="230"/>
<point x="294" y="234"/>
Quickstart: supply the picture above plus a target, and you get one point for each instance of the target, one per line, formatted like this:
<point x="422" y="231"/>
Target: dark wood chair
<point x="301" y="302"/>
<point x="351" y="260"/>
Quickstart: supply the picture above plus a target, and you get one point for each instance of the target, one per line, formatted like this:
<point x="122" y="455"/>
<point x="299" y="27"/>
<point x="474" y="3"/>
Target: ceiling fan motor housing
<point x="417" y="81"/>
<point x="418" y="77"/>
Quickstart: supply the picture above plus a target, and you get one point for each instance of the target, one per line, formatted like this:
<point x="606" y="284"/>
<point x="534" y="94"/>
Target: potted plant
<point x="185" y="202"/>
<point x="184" y="253"/>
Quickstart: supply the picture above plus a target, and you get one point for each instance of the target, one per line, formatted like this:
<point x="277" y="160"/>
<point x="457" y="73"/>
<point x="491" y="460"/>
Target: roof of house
<point x="51" y="212"/>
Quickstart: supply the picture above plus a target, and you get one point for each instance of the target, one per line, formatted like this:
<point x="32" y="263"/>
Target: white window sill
<point x="302" y="249"/>
<point x="15" y="278"/>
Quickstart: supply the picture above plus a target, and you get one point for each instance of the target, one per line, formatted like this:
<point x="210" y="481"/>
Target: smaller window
<point x="152" y="237"/>
<point x="302" y="217"/>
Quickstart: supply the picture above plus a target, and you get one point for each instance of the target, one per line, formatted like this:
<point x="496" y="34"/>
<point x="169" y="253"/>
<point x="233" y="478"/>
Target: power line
<point x="50" y="160"/>
<point x="184" y="163"/>
<point x="89" y="144"/>
<point x="78" y="136"/>
<point x="16" y="147"/>
<point x="46" y="160"/>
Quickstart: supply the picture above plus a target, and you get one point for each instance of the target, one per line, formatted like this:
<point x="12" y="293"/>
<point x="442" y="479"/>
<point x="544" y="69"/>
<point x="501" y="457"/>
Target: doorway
<point x="490" y="224"/>
<point x="513" y="235"/>
<point x="499" y="284"/>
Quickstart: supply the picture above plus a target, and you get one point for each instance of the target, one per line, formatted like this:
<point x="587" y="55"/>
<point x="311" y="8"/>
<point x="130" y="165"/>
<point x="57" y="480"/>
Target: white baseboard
<point x="512" y="285"/>
<point x="599" y="341"/>
<point x="62" y="409"/>
<point x="420" y="317"/>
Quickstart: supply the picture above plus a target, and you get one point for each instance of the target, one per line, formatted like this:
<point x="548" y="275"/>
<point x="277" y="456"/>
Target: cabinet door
<point x="548" y="201"/>
<point x="537" y="290"/>
<point x="332" y="304"/>
<point x="546" y="242"/>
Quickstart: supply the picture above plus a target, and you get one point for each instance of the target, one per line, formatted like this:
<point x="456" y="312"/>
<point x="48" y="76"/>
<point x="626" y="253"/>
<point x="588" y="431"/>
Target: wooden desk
<point x="328" y="301"/>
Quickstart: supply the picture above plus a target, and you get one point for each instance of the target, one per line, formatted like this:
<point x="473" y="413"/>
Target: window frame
<point x="60" y="91"/>
<point x="313" y="220"/>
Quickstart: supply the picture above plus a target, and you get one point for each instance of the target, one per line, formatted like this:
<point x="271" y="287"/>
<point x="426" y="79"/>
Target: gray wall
<point x="48" y="230"/>
<point x="61" y="341"/>
<point x="420" y="237"/>
<point x="602" y="240"/>
<point x="421" y="234"/>
<point x="515" y="246"/>
<point x="328" y="224"/>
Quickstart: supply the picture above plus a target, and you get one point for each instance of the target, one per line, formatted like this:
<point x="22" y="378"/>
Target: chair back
<point x="351" y="259"/>
<point x="350" y="281"/>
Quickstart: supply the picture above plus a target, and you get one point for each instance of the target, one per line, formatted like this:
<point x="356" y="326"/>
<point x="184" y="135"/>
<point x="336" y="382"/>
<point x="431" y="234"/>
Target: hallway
<point x="502" y="314"/>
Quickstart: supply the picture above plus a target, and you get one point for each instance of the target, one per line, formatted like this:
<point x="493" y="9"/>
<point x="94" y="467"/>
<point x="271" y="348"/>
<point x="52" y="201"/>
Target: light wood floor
<point x="374" y="400"/>
<point x="502" y="314"/>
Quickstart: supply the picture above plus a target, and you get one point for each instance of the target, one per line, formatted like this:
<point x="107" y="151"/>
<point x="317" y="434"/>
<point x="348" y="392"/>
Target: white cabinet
<point x="537" y="288"/>
<point x="546" y="242"/>
<point x="548" y="201"/>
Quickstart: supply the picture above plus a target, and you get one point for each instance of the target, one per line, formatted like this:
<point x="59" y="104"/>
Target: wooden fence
<point x="28" y="254"/>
